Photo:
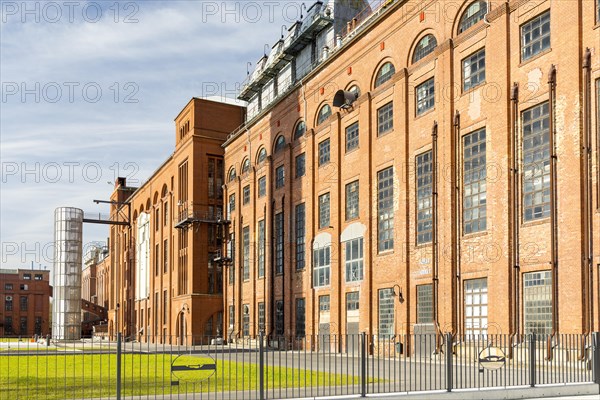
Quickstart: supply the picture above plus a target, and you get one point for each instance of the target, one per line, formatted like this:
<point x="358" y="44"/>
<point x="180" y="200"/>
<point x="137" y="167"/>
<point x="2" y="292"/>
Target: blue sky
<point x="90" y="91"/>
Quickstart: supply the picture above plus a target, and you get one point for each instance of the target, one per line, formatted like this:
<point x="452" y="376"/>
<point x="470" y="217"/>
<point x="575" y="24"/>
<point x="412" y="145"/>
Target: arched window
<point x="245" y="166"/>
<point x="472" y="15"/>
<point x="300" y="130"/>
<point x="385" y="73"/>
<point x="232" y="175"/>
<point x="262" y="156"/>
<point x="324" y="113"/>
<point x="425" y="47"/>
<point x="279" y="143"/>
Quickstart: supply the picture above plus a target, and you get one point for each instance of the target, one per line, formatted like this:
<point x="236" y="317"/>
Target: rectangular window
<point x="165" y="308"/>
<point x="166" y="213"/>
<point x="262" y="186"/>
<point x="24" y="326"/>
<point x="157" y="259"/>
<point x="324" y="303"/>
<point x="300" y="165"/>
<point x="474" y="70"/>
<point x="385" y="209"/>
<point x="300" y="236"/>
<point x="231" y="316"/>
<point x="474" y="182"/>
<point x="261" y="248"/>
<point x="246" y="255"/>
<point x="352" y="301"/>
<point x="246" y="320"/>
<point x="183" y="183"/>
<point x="352" y="200"/>
<point x="279" y="177"/>
<point x="425" y="96"/>
<point x="38" y="326"/>
<point x="8" y="303"/>
<point x="24" y="303"/>
<point x="8" y="326"/>
<point x="300" y="318"/>
<point x="536" y="162"/>
<point x="231" y="256"/>
<point x="279" y="318"/>
<point x="535" y="36"/>
<point x="261" y="317"/>
<point x="231" y="203"/>
<point x="424" y="197"/>
<point x="165" y="255"/>
<point x="321" y="266"/>
<point x="352" y="137"/>
<point x="324" y="219"/>
<point x="476" y="306"/>
<point x="246" y="195"/>
<point x="425" y="304"/>
<point x="157" y="218"/>
<point x="385" y="118"/>
<point x="27" y="277"/>
<point x="8" y="286"/>
<point x="324" y="150"/>
<point x="386" y="313"/>
<point x="279" y="243"/>
<point x="537" y="302"/>
<point x="37" y="277"/>
<point x="354" y="260"/>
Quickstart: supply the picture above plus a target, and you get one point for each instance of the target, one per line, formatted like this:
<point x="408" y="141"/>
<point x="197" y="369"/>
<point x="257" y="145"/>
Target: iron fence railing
<point x="290" y="367"/>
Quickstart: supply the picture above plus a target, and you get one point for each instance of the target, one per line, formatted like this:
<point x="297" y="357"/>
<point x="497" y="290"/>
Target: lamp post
<point x="397" y="292"/>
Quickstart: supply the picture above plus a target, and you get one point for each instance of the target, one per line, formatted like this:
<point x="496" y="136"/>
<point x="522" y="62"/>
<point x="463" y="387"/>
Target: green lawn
<point x="91" y="376"/>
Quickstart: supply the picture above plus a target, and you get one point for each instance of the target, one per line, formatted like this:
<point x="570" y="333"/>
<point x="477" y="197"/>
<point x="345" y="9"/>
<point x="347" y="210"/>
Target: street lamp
<point x="398" y="294"/>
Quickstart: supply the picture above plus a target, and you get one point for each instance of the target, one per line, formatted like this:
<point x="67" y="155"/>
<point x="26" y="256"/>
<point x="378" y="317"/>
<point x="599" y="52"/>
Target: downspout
<point x="239" y="273"/>
<point x="407" y="188"/>
<point x="254" y="272"/>
<point x="224" y="241"/>
<point x="270" y="270"/>
<point x="587" y="216"/>
<point x="338" y="229"/>
<point x="514" y="211"/>
<point x="314" y="213"/>
<point x="458" y="224"/>
<point x="553" y="216"/>
<point x="291" y="241"/>
<point x="434" y="244"/>
<point x="283" y="256"/>
<point x="369" y="272"/>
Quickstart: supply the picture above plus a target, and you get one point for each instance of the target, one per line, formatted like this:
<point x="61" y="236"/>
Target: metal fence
<point x="290" y="367"/>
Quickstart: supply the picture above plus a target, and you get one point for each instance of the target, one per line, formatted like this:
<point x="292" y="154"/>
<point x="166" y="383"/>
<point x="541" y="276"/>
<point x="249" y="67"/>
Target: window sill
<point x="354" y="219"/>
<point x="541" y="221"/>
<point x="385" y="253"/>
<point x="425" y="113"/>
<point x="423" y="245"/>
<point x="325" y="164"/>
<point x="386" y="133"/>
<point x="472" y="88"/>
<point x="473" y="235"/>
<point x="538" y="55"/>
<point x="352" y="150"/>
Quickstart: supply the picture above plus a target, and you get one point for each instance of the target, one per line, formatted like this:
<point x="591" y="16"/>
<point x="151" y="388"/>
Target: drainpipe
<point x="457" y="224"/>
<point x="587" y="215"/>
<point x="434" y="228"/>
<point x="553" y="209"/>
<point x="514" y="211"/>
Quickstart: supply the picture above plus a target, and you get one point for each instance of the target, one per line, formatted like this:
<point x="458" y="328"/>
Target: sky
<point x="90" y="90"/>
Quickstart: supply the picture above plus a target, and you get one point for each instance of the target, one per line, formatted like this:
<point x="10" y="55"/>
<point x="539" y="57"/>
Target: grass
<point x="54" y="376"/>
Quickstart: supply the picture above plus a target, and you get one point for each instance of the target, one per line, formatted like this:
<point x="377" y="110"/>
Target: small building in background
<point x="24" y="302"/>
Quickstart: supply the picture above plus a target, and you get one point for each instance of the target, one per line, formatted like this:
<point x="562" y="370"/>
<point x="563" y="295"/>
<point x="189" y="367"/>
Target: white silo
<point x="66" y="306"/>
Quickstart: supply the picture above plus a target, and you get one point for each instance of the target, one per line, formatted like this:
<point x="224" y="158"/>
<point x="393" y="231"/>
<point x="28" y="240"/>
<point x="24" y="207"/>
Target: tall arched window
<point x="232" y="175"/>
<point x="246" y="166"/>
<point x="279" y="143"/>
<point x="425" y="47"/>
<point x="385" y="73"/>
<point x="324" y="113"/>
<point x="300" y="130"/>
<point x="262" y="156"/>
<point x="472" y="15"/>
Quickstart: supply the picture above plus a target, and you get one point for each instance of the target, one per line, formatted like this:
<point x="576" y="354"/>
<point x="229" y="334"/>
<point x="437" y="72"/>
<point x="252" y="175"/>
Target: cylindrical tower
<point x="66" y="306"/>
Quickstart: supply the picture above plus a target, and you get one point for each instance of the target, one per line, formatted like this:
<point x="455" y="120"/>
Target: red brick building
<point x="24" y="302"/>
<point x="455" y="187"/>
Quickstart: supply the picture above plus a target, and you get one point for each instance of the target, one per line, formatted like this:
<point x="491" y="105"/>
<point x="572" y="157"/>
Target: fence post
<point x="363" y="365"/>
<point x="532" y="357"/>
<point x="448" y="362"/>
<point x="596" y="356"/>
<point x="119" y="343"/>
<point x="261" y="365"/>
